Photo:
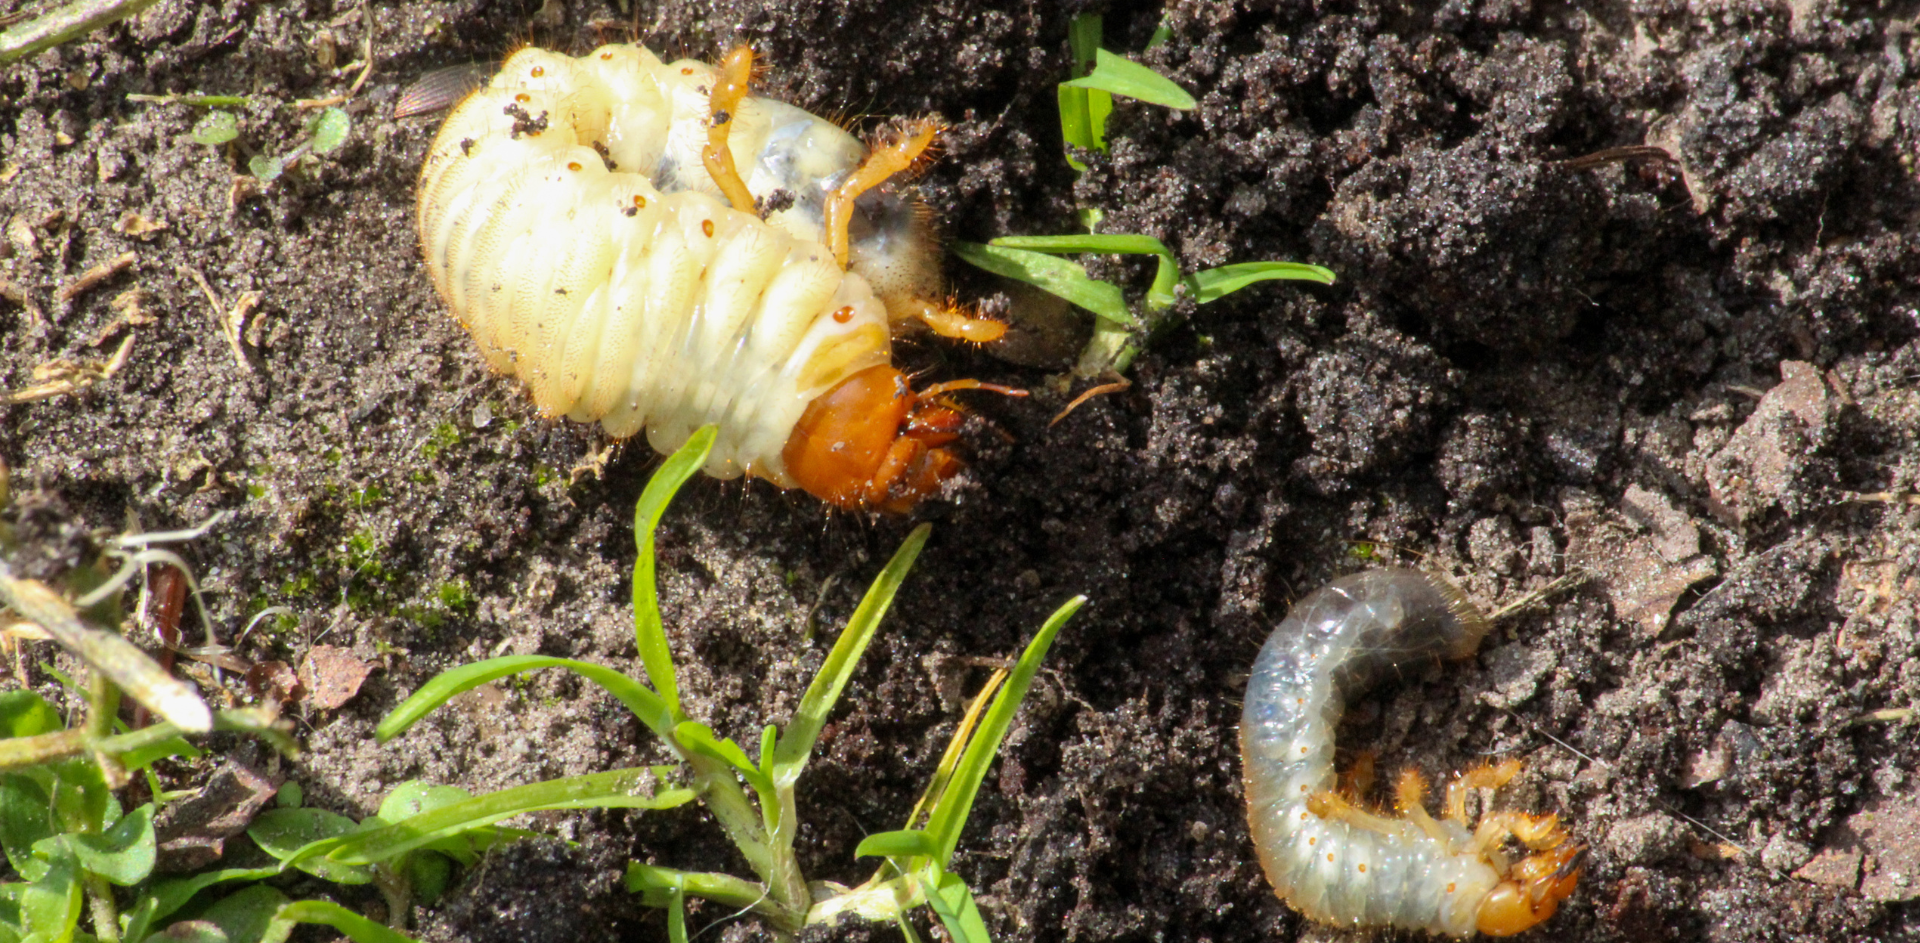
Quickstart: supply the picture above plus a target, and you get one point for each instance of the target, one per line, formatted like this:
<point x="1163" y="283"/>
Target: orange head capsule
<point x="1532" y="891"/>
<point x="873" y="442"/>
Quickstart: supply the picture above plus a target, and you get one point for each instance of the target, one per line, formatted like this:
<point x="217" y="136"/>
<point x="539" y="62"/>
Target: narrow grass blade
<point x="655" y="884"/>
<point x="1166" y="272"/>
<point x="329" y="914"/>
<point x="1061" y="277"/>
<point x="64" y="23"/>
<point x="677" y="918"/>
<point x="1083" y="112"/>
<point x="699" y="738"/>
<point x="1076" y="128"/>
<point x="649" y="634"/>
<point x="796" y="742"/>
<point x="905" y="843"/>
<point x="614" y="789"/>
<point x="1087" y="242"/>
<point x="1121" y="76"/>
<point x="956" y="803"/>
<point x="1160" y="293"/>
<point x="645" y="704"/>
<point x="1214" y="283"/>
<point x="193" y="98"/>
<point x="956" y="747"/>
<point x="953" y="901"/>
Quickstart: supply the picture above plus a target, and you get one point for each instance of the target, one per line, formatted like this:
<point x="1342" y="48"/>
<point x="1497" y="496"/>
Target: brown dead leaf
<point x="1834" y="867"/>
<point x="274" y="681"/>
<point x="1759" y="465"/>
<point x="192" y="831"/>
<point x="332" y="676"/>
<point x="1637" y="571"/>
<point x="1713" y="851"/>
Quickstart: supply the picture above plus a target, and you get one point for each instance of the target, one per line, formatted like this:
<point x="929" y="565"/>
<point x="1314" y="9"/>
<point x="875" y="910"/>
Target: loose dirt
<point x="1682" y="372"/>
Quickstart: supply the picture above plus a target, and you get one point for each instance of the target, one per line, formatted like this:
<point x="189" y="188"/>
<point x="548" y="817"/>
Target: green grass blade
<point x="1083" y="112"/>
<point x="1076" y="124"/>
<point x="1060" y="277"/>
<point x="1166" y="273"/>
<point x="1121" y="76"/>
<point x="796" y="742"/>
<point x="1160" y="293"/>
<point x="326" y="913"/>
<point x="1086" y="242"/>
<point x="655" y="884"/>
<point x="1214" y="283"/>
<point x="677" y="918"/>
<point x="649" y="634"/>
<point x="645" y="704"/>
<point x="614" y="789"/>
<point x="956" y="801"/>
<point x="1083" y="41"/>
<point x="953" y="902"/>
<point x="905" y="843"/>
<point x="699" y="738"/>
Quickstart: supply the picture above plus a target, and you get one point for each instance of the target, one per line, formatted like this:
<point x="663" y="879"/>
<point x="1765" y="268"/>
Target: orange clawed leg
<point x="729" y="87"/>
<point x="882" y="164"/>
<point x="1410" y="796"/>
<point x="885" y="161"/>
<point x="948" y="321"/>
<point x="1480" y="777"/>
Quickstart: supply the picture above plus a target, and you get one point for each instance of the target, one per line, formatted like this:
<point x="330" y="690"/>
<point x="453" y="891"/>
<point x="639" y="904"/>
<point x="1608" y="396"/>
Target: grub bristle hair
<point x="595" y="224"/>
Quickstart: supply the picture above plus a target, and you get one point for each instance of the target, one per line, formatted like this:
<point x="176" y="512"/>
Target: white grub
<point x="1337" y="862"/>
<point x="571" y="221"/>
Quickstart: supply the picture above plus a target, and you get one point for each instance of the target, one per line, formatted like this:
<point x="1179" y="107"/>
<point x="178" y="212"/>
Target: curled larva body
<point x="581" y="217"/>
<point x="1337" y="862"/>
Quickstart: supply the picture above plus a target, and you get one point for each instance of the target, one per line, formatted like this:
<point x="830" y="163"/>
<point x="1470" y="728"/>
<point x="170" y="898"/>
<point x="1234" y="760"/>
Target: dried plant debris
<point x="331" y="676"/>
<point x="1771" y="459"/>
<point x="1646" y="555"/>
<point x="192" y="831"/>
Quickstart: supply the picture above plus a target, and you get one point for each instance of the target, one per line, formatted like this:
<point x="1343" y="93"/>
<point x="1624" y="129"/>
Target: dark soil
<point x="1681" y="374"/>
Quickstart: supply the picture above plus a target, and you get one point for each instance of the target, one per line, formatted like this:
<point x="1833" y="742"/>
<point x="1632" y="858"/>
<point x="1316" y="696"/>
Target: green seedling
<point x="71" y="843"/>
<point x="1087" y="99"/>
<point x="1117" y="332"/>
<point x="750" y="793"/>
<point x="1085" y="103"/>
<point x="104" y="847"/>
<point x="66" y="836"/>
<point x="323" y="134"/>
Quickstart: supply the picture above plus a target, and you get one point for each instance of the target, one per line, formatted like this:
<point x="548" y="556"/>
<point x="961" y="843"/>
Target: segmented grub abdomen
<point x="567" y="219"/>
